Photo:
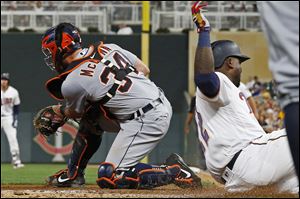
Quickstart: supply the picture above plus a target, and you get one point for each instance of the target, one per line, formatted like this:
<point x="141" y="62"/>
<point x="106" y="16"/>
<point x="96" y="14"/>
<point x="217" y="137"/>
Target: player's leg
<point x="140" y="176"/>
<point x="267" y="161"/>
<point x="292" y="128"/>
<point x="137" y="139"/>
<point x="11" y="134"/>
<point x="288" y="184"/>
<point x="85" y="145"/>
<point x="284" y="62"/>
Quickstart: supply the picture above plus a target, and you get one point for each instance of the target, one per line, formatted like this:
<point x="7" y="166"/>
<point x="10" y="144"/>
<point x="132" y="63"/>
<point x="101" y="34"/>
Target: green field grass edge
<point x="36" y="174"/>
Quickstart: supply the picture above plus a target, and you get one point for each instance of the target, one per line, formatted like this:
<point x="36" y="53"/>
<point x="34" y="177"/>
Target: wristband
<point x="204" y="39"/>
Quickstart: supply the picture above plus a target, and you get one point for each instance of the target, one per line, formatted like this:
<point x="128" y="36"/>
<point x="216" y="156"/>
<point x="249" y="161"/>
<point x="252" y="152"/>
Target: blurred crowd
<point x="128" y="12"/>
<point x="226" y="6"/>
<point x="271" y="116"/>
<point x="55" y="5"/>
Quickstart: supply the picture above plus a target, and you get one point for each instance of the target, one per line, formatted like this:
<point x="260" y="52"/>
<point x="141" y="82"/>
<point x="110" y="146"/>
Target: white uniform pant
<point x="138" y="137"/>
<point x="267" y="161"/>
<point x="11" y="133"/>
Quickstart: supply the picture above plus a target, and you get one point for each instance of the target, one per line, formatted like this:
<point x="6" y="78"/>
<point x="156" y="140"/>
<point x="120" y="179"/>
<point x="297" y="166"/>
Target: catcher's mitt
<point x="46" y="121"/>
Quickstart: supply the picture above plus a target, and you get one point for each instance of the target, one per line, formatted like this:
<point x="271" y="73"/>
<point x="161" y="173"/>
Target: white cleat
<point x="17" y="166"/>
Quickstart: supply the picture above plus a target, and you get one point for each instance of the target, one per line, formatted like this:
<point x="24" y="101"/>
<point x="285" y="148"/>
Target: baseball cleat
<point x="17" y="166"/>
<point x="61" y="179"/>
<point x="187" y="178"/>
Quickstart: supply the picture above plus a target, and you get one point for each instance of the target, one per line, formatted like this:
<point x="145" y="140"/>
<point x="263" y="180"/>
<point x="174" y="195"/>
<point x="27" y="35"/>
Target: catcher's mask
<point x="58" y="41"/>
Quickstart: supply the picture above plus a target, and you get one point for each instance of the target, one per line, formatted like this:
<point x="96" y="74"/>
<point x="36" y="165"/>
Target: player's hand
<point x="198" y="18"/>
<point x="15" y="123"/>
<point x="48" y="120"/>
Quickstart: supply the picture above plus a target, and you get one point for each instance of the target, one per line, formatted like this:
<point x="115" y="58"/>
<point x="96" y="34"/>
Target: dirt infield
<point x="92" y="191"/>
<point x="211" y="190"/>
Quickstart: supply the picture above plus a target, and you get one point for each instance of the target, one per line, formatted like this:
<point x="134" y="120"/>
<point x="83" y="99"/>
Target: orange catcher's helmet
<point x="58" y="41"/>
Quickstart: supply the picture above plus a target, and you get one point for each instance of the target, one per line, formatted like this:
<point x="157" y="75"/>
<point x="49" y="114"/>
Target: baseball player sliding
<point x="238" y="152"/>
<point x="10" y="103"/>
<point x="106" y="78"/>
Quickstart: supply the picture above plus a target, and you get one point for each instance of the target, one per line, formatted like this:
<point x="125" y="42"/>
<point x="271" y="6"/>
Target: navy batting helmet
<point x="226" y="48"/>
<point x="5" y="76"/>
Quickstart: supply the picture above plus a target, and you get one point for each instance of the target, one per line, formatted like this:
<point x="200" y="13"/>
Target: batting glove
<point x="198" y="18"/>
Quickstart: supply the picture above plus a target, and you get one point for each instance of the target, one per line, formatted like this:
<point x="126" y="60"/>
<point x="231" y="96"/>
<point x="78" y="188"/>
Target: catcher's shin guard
<point x="83" y="149"/>
<point x="141" y="176"/>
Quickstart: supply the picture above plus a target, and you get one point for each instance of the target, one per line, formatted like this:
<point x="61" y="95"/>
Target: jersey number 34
<point x="121" y="63"/>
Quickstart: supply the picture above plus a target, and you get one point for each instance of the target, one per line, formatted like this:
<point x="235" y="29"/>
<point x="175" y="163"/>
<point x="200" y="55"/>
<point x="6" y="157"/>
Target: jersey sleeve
<point x="132" y="58"/>
<point x="244" y="90"/>
<point x="222" y="98"/>
<point x="75" y="96"/>
<point x="16" y="100"/>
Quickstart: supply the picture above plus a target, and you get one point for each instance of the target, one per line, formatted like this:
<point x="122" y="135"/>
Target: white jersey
<point x="9" y="99"/>
<point x="226" y="124"/>
<point x="245" y="90"/>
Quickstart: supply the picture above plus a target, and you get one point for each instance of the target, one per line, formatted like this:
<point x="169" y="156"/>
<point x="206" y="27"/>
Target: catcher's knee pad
<point x="106" y="174"/>
<point x="142" y="176"/>
<point x="109" y="177"/>
<point x="85" y="145"/>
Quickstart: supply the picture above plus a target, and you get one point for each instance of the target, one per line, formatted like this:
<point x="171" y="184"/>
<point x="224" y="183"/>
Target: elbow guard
<point x="209" y="84"/>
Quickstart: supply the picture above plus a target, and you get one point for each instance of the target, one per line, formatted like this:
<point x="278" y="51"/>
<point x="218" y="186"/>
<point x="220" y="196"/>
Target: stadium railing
<point x="175" y="16"/>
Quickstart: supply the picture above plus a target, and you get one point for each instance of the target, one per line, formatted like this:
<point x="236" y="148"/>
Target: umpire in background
<point x="280" y="23"/>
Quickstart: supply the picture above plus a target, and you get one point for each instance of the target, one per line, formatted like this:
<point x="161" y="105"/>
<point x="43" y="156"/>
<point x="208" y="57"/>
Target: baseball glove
<point x="46" y="121"/>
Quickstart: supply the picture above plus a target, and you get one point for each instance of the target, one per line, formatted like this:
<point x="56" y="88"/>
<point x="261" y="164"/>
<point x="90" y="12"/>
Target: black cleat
<point x="61" y="179"/>
<point x="187" y="178"/>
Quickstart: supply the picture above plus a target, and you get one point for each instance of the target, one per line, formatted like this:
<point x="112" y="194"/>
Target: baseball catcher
<point x="105" y="87"/>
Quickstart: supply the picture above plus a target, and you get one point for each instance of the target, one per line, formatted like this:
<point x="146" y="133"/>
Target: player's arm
<point x="188" y="121"/>
<point x="141" y="67"/>
<point x="137" y="63"/>
<point x="205" y="78"/>
<point x="133" y="59"/>
<point x="252" y="104"/>
<point x="71" y="113"/>
<point x="16" y="110"/>
<point x="75" y="97"/>
<point x="67" y="112"/>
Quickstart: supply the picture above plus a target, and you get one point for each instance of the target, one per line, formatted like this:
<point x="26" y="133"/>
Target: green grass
<point x="36" y="173"/>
